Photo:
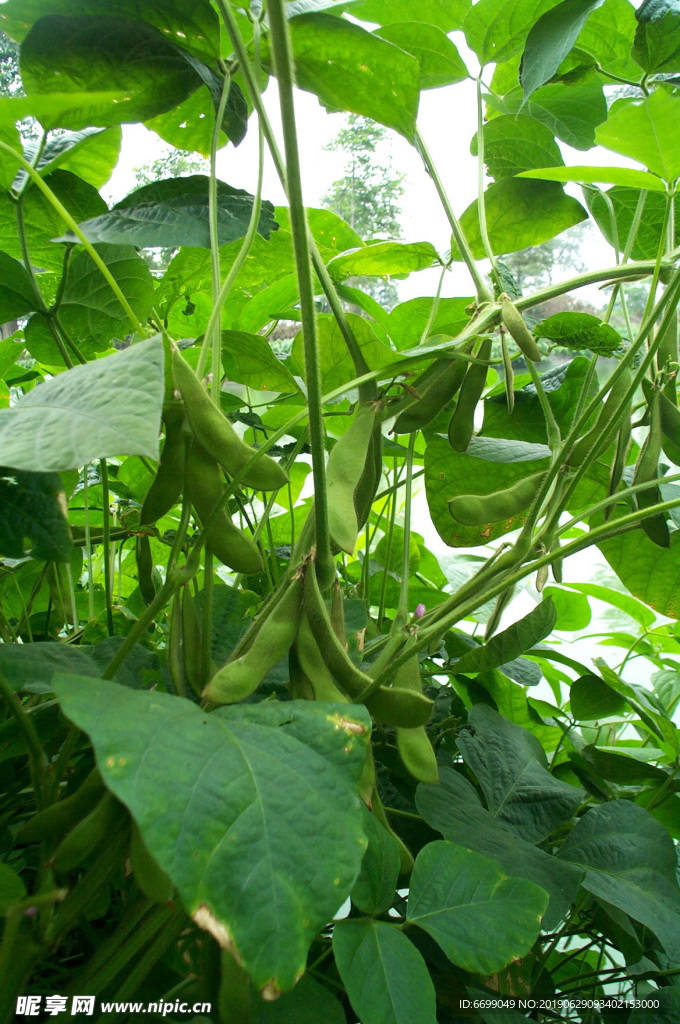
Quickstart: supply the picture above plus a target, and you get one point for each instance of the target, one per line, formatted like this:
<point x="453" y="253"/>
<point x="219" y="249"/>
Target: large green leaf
<point x="571" y="112"/>
<point x="42" y="223"/>
<point x="91" y="153"/>
<point x="512" y="769"/>
<point x="439" y="60"/>
<point x="645" y="130"/>
<point x="336" y="364"/>
<point x="481" y="918"/>
<point x="453" y="808"/>
<point x="590" y="698"/>
<point x="608" y="36"/>
<point x="657" y="39"/>
<point x="17" y="294"/>
<point x="646" y="570"/>
<point x="374" y="889"/>
<point x="30" y="668"/>
<point x="408" y="320"/>
<point x="89" y="309"/>
<point x="76" y="110"/>
<point x="602" y="175"/>
<point x="551" y="39"/>
<point x="109" y="407"/>
<point x="80" y="54"/>
<point x="629" y="860"/>
<point x="175" y="212"/>
<point x="449" y="473"/>
<point x="520" y="214"/>
<point x="578" y="331"/>
<point x="667" y="1011"/>
<point x="32" y="506"/>
<point x="517" y="639"/>
<point x="257" y="823"/>
<point x="624" y="202"/>
<point x="195" y="28"/>
<point x="496" y="29"/>
<point x="248" y="359"/>
<point x="447" y="15"/>
<point x="308" y="1003"/>
<point x="327" y="229"/>
<point x="348" y="68"/>
<point x="383" y="258"/>
<point x="516" y="143"/>
<point x="384" y="975"/>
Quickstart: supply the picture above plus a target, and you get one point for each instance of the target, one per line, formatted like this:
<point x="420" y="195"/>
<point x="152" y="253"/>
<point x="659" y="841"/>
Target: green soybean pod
<point x="314" y="667"/>
<point x="514" y="321"/>
<point x="192" y="644"/>
<point x="436" y="386"/>
<point x="345" y="467"/>
<point x="667" y="358"/>
<point x="145" y="568"/>
<point x="647" y="468"/>
<point x="617" y="393"/>
<point x="414" y="745"/>
<point x="480" y="509"/>
<point x="508" y="374"/>
<point x="367" y="488"/>
<point x="149" y="875"/>
<point x="225" y="540"/>
<point x="54" y="822"/>
<point x="502" y="602"/>
<point x="239" y="678"/>
<point x="167" y="484"/>
<point x="670" y="423"/>
<point x="90" y="831"/>
<point x="462" y="425"/>
<point x="216" y="434"/>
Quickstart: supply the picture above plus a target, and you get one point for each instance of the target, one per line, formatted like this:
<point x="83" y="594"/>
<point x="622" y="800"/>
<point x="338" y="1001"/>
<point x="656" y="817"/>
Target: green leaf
<point x="374" y="889"/>
<point x="439" y="60"/>
<point x="30" y="668"/>
<point x="77" y="110"/>
<point x="17" y="295"/>
<point x="173" y="212"/>
<point x="385" y="977"/>
<point x="308" y="1003"/>
<point x="42" y="223"/>
<point x="515" y="143"/>
<point x="348" y="68"/>
<point x="571" y="112"/>
<point x="608" y="36"/>
<point x="481" y="918"/>
<point x="591" y="699"/>
<point x="651" y="711"/>
<point x="407" y="321"/>
<point x="195" y="28"/>
<point x="275" y="780"/>
<point x="657" y="39"/>
<point x="551" y="39"/>
<point x="578" y="331"/>
<point x="603" y="175"/>
<point x="32" y="506"/>
<point x="11" y="888"/>
<point x="269" y="304"/>
<point x="629" y="860"/>
<point x="449" y="473"/>
<point x="667" y="1011"/>
<point x="649" y="572"/>
<point x="513" y="641"/>
<point x="81" y="54"/>
<point x="496" y="29"/>
<point x="624" y="201"/>
<point x="383" y="258"/>
<point x="91" y="153"/>
<point x="109" y="407"/>
<point x="573" y="609"/>
<point x="89" y="309"/>
<point x="327" y="229"/>
<point x="336" y="364"/>
<point x="520" y="214"/>
<point x="447" y="15"/>
<point x="512" y="769"/>
<point x="453" y="808"/>
<point x="248" y="359"/>
<point x="645" y="130"/>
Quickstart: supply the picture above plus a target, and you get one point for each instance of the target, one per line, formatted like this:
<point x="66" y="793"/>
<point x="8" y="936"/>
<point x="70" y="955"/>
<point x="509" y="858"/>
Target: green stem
<point x="552" y="428"/>
<point x="481" y="198"/>
<point x="401" y="618"/>
<point x="106" y="543"/>
<point x="88" y="547"/>
<point x="283" y="63"/>
<point x="37" y="760"/>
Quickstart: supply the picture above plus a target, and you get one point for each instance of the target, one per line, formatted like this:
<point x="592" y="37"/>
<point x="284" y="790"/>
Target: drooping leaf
<point x="496" y="30"/>
<point x="374" y="889"/>
<point x="512" y="769"/>
<point x="32" y="507"/>
<point x="514" y="144"/>
<point x="348" y="68"/>
<point x="624" y="201"/>
<point x="551" y="39"/>
<point x="570" y="111"/>
<point x="91" y="153"/>
<point x="590" y="698"/>
<point x="17" y="295"/>
<point x="645" y="130"/>
<point x="383" y="258"/>
<point x="447" y="15"/>
<point x="513" y="641"/>
<point x="481" y="918"/>
<point x="578" y="331"/>
<point x="603" y="175"/>
<point x="520" y="214"/>
<point x="248" y="359"/>
<point x="439" y="60"/>
<point x="657" y="39"/>
<point x="336" y="365"/>
<point x="174" y="212"/>
<point x="108" y="407"/>
<point x="384" y="975"/>
<point x="453" y="808"/>
<point x="248" y="779"/>
<point x="629" y="860"/>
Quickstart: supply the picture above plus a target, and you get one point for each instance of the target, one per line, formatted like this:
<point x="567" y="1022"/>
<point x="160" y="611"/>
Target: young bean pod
<point x="670" y="422"/>
<point x="192" y="644"/>
<point x="462" y="425"/>
<point x="647" y="468"/>
<point x="314" y="667"/>
<point x="414" y="745"/>
<point x="145" y="568"/>
<point x="54" y="822"/>
<point x="508" y="373"/>
<point x="90" y="831"/>
<point x="617" y="393"/>
<point x="480" y="509"/>
<point x="345" y="468"/>
<point x="514" y="321"/>
<point x="150" y="877"/>
<point x="167" y="484"/>
<point x="216" y="434"/>
<point x="436" y="386"/>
